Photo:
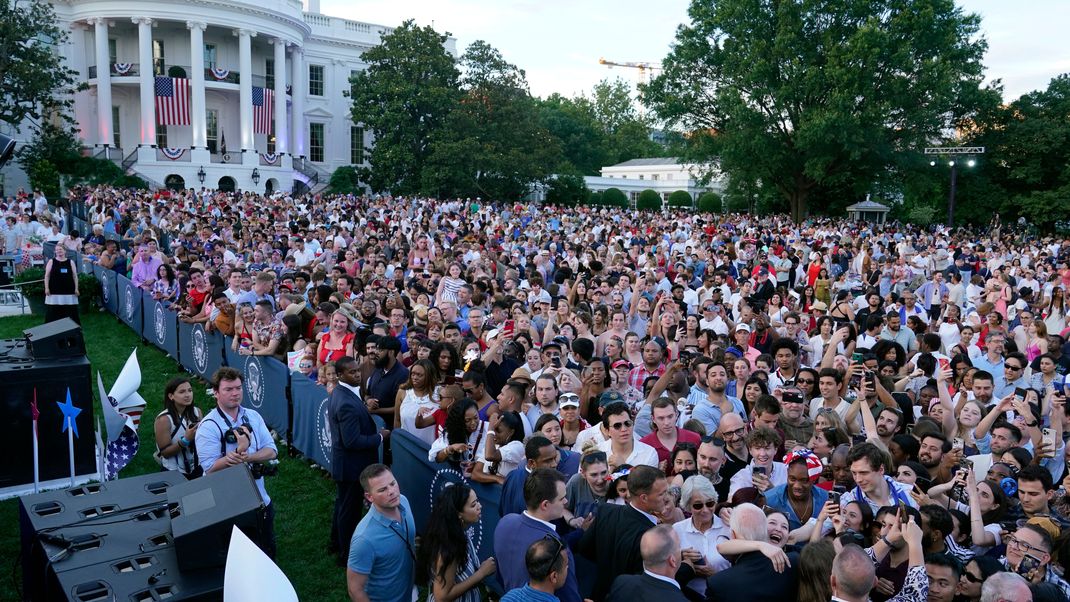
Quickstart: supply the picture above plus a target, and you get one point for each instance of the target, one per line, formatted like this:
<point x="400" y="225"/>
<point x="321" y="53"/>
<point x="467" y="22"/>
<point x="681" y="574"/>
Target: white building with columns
<point x="224" y="49"/>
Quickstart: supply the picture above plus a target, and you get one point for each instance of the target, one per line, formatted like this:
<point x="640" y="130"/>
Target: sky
<point x="559" y="42"/>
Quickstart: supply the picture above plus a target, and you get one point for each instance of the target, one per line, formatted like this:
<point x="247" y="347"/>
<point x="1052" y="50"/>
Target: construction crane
<point x="644" y="67"/>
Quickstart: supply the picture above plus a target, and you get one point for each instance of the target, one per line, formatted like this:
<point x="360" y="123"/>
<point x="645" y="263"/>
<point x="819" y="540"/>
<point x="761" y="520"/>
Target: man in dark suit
<point x="660" y="548"/>
<point x="354" y="446"/>
<point x="539" y="453"/>
<point x="753" y="578"/>
<point x="612" y="542"/>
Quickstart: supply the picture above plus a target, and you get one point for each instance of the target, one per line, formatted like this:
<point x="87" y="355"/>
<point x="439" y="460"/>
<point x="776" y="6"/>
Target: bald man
<point x="853" y="575"/>
<point x="660" y="549"/>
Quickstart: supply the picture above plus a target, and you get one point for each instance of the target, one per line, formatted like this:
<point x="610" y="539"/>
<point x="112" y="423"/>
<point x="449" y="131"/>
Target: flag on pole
<point x="172" y="101"/>
<point x="122" y="409"/>
<point x="120" y="452"/>
<point x="36" y="460"/>
<point x="263" y="109"/>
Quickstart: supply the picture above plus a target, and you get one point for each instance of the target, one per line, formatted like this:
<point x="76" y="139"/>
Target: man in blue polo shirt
<point x="382" y="554"/>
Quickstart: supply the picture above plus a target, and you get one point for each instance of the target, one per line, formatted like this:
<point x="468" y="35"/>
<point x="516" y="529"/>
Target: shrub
<point x="710" y="202"/>
<point x="568" y="190"/>
<point x="595" y="198"/>
<point x="44" y="176"/>
<point x="649" y="200"/>
<point x="345" y="180"/>
<point x="921" y="215"/>
<point x="680" y="198"/>
<point x="613" y="197"/>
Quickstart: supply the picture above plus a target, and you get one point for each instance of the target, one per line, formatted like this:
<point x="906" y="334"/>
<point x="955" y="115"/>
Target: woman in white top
<point x="822" y="336"/>
<point x="415" y="398"/>
<point x="700" y="534"/>
<point x="176" y="428"/>
<point x="503" y="450"/>
<point x="462" y="435"/>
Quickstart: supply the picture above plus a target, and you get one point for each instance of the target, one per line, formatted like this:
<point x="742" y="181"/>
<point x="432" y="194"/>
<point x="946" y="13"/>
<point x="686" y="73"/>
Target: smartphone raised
<point x="1048" y="438"/>
<point x="758" y="470"/>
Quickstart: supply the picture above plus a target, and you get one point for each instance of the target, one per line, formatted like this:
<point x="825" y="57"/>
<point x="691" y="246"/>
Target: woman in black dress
<point x="61" y="287"/>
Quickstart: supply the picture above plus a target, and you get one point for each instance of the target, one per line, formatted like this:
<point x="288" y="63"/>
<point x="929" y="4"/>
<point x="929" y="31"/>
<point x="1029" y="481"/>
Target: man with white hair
<point x="753" y="577"/>
<point x="660" y="549"/>
<point x="1006" y="587"/>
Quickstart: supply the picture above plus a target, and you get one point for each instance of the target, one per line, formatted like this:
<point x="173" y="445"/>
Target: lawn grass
<point x="303" y="496"/>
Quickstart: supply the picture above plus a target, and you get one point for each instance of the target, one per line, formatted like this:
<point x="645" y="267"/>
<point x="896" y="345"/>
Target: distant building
<point x="868" y="211"/>
<point x="664" y="175"/>
<point x="219" y="65"/>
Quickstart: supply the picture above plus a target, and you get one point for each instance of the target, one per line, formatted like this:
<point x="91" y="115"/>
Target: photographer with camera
<point x="231" y="435"/>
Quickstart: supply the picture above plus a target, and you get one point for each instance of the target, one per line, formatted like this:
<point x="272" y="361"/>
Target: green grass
<point x="303" y="496"/>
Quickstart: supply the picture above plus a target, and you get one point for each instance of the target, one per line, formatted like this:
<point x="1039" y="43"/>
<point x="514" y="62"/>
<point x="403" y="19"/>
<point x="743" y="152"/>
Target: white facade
<point x="664" y="175"/>
<point x="305" y="57"/>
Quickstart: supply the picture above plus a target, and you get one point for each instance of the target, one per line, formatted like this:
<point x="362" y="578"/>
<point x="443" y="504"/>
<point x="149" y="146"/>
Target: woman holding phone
<point x="176" y="429"/>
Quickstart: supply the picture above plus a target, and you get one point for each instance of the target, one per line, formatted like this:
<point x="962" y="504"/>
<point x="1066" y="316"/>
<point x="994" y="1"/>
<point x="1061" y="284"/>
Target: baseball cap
<point x="740" y="327"/>
<point x="609" y="397"/>
<point x="619" y="363"/>
<point x="569" y="400"/>
<point x="819" y="306"/>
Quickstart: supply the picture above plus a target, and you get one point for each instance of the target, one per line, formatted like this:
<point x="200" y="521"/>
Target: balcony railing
<point x="225" y="76"/>
<point x="118" y="70"/>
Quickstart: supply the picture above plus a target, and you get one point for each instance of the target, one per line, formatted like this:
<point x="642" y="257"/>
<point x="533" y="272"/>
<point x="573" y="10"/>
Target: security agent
<point x="231" y="435"/>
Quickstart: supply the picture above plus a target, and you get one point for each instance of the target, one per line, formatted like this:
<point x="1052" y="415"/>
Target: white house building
<point x="664" y="175"/>
<point x="230" y="94"/>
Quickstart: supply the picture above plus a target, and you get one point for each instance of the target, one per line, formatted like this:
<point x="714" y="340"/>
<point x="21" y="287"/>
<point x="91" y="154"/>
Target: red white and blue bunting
<point x="271" y="158"/>
<point x="173" y="154"/>
<point x="220" y="74"/>
<point x="122" y="68"/>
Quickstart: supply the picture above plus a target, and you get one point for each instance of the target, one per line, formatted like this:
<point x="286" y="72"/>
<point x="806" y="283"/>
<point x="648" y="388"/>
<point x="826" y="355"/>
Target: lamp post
<point x="256" y="176"/>
<point x="953" y="163"/>
<point x="201" y="175"/>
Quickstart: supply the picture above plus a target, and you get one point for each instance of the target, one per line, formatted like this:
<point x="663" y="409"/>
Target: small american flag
<point x="172" y="101"/>
<point x="263" y="109"/>
<point x="120" y="452"/>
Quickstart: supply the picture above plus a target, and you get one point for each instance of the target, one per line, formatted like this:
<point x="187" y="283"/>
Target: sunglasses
<point x="804" y="381"/>
<point x="971" y="577"/>
<point x="616" y="426"/>
<point x="714" y="441"/>
<point x="698" y="505"/>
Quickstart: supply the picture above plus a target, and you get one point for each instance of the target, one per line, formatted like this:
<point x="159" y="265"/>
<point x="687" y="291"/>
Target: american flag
<point x="172" y="101"/>
<point x="263" y="109"/>
<point x="119" y="453"/>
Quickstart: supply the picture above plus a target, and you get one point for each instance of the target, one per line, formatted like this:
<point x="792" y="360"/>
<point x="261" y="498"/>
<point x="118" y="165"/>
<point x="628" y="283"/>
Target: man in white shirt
<point x="622" y="447"/>
<point x="762" y="472"/>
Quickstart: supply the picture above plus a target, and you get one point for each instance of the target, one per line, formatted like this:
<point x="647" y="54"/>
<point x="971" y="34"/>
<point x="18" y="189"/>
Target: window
<point x="212" y="130"/>
<point x="269" y="73"/>
<point x="356" y="145"/>
<point x="157" y="57"/>
<point x="209" y="56"/>
<point x="113" y="52"/>
<point x="641" y="176"/>
<point x="315" y="142"/>
<point x="654" y="177"/>
<point x="161" y="136"/>
<point x="668" y="176"/>
<point x="115" y="128"/>
<point x="315" y="80"/>
<point x="271" y="140"/>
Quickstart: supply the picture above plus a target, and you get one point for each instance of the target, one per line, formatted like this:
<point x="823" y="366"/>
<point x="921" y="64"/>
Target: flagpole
<point x="36" y="460"/>
<point x="70" y="446"/>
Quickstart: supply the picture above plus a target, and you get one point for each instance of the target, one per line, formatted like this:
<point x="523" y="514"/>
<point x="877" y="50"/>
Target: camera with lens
<point x="267" y="469"/>
<point x="232" y="434"/>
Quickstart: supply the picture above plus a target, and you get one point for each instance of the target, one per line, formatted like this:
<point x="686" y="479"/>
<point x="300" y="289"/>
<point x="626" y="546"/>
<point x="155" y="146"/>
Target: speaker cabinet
<point x="56" y="340"/>
<point x="204" y="510"/>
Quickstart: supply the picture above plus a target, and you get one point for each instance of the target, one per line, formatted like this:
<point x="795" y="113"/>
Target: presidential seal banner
<point x="311" y="433"/>
<point x="160" y="326"/>
<point x="199" y="351"/>
<point x="129" y="303"/>
<point x="265" y="386"/>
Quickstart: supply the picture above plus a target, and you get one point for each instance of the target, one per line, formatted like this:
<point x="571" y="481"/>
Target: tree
<point x="626" y="130"/>
<point x="613" y="197"/>
<point x="56" y="144"/>
<point x="404" y="97"/>
<point x="572" y="121"/>
<point x="680" y="198"/>
<point x="44" y="177"/>
<point x="33" y="76"/>
<point x="568" y="190"/>
<point x="492" y="144"/>
<point x="595" y="198"/>
<point x="709" y="202"/>
<point x="346" y="180"/>
<point x="648" y="200"/>
<point x="818" y="100"/>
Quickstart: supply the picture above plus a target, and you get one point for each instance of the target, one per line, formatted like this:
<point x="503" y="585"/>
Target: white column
<point x="245" y="87"/>
<point x="297" y="59"/>
<point x="198" y="116"/>
<point x="281" y="137"/>
<point x="104" y="125"/>
<point x="148" y="84"/>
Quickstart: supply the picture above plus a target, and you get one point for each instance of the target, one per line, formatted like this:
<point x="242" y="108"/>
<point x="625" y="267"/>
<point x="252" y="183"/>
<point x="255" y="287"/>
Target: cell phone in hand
<point x="834" y="496"/>
<point x="958" y="444"/>
<point x="1019" y="394"/>
<point x="758" y="470"/>
<point x="1048" y="438"/>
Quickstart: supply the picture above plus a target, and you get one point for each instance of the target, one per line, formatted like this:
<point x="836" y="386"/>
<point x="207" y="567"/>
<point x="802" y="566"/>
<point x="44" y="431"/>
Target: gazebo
<point x="868" y="211"/>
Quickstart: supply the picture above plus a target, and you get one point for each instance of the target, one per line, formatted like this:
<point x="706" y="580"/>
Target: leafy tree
<point x="33" y="76"/>
<point x="56" y="144"/>
<point x="626" y="130"/>
<point x="595" y="198"/>
<point x="567" y="189"/>
<point x="44" y="177"/>
<point x="613" y="197"/>
<point x="709" y="202"/>
<point x="648" y="200"/>
<point x="404" y="97"/>
<point x="680" y="198"/>
<point x="346" y="180"/>
<point x="572" y="121"/>
<point x="814" y="99"/>
<point x="492" y="144"/>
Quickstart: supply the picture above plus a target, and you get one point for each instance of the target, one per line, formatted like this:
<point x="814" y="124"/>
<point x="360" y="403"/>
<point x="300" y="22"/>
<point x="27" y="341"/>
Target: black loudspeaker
<point x="204" y="510"/>
<point x="23" y="378"/>
<point x="56" y="340"/>
<point x="141" y="577"/>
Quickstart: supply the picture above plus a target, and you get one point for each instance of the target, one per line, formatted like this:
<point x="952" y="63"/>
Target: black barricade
<point x="311" y="434"/>
<point x="199" y="351"/>
<point x="160" y="326"/>
<point x="108" y="292"/>
<point x="265" y="386"/>
<point x="129" y="304"/>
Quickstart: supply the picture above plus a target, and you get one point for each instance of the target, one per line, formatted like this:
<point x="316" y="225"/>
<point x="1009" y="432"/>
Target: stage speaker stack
<point x="147" y="538"/>
<point x="44" y="366"/>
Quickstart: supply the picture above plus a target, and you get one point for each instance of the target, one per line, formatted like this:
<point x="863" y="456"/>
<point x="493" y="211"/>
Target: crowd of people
<point x="676" y="405"/>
